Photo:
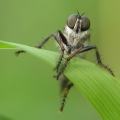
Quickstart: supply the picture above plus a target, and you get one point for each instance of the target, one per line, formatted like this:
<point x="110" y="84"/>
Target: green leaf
<point x="100" y="88"/>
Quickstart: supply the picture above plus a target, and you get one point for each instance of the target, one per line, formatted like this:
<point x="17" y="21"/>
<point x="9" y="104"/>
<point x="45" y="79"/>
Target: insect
<point x="73" y="41"/>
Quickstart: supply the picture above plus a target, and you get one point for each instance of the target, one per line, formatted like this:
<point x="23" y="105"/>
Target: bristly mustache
<point x="74" y="35"/>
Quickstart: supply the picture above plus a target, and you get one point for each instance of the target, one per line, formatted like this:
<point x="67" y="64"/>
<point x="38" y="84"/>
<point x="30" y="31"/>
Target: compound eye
<point x="85" y="23"/>
<point x="71" y="20"/>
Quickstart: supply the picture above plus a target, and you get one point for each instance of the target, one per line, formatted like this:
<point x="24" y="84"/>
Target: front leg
<point x="67" y="60"/>
<point x="61" y="40"/>
<point x="40" y="45"/>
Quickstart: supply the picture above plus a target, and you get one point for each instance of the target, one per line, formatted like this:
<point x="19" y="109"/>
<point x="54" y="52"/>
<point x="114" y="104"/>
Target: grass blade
<point x="96" y="84"/>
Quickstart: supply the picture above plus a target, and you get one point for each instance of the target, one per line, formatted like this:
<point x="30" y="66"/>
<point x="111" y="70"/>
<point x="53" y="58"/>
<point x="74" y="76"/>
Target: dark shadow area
<point x="2" y="117"/>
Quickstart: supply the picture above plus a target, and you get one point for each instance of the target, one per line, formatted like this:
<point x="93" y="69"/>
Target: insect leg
<point x="61" y="40"/>
<point x="46" y="39"/>
<point x="18" y="52"/>
<point x="67" y="60"/>
<point x="40" y="45"/>
<point x="65" y="95"/>
<point x="87" y="48"/>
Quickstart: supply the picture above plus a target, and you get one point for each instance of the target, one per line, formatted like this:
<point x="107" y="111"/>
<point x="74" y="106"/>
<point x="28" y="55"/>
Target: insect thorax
<point x="73" y="39"/>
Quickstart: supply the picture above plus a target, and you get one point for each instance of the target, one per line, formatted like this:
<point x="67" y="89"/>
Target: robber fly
<point x="73" y="41"/>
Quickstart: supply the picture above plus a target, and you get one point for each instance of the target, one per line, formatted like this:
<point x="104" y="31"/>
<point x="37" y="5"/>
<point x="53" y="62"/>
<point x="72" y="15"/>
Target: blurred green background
<point x="27" y="89"/>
